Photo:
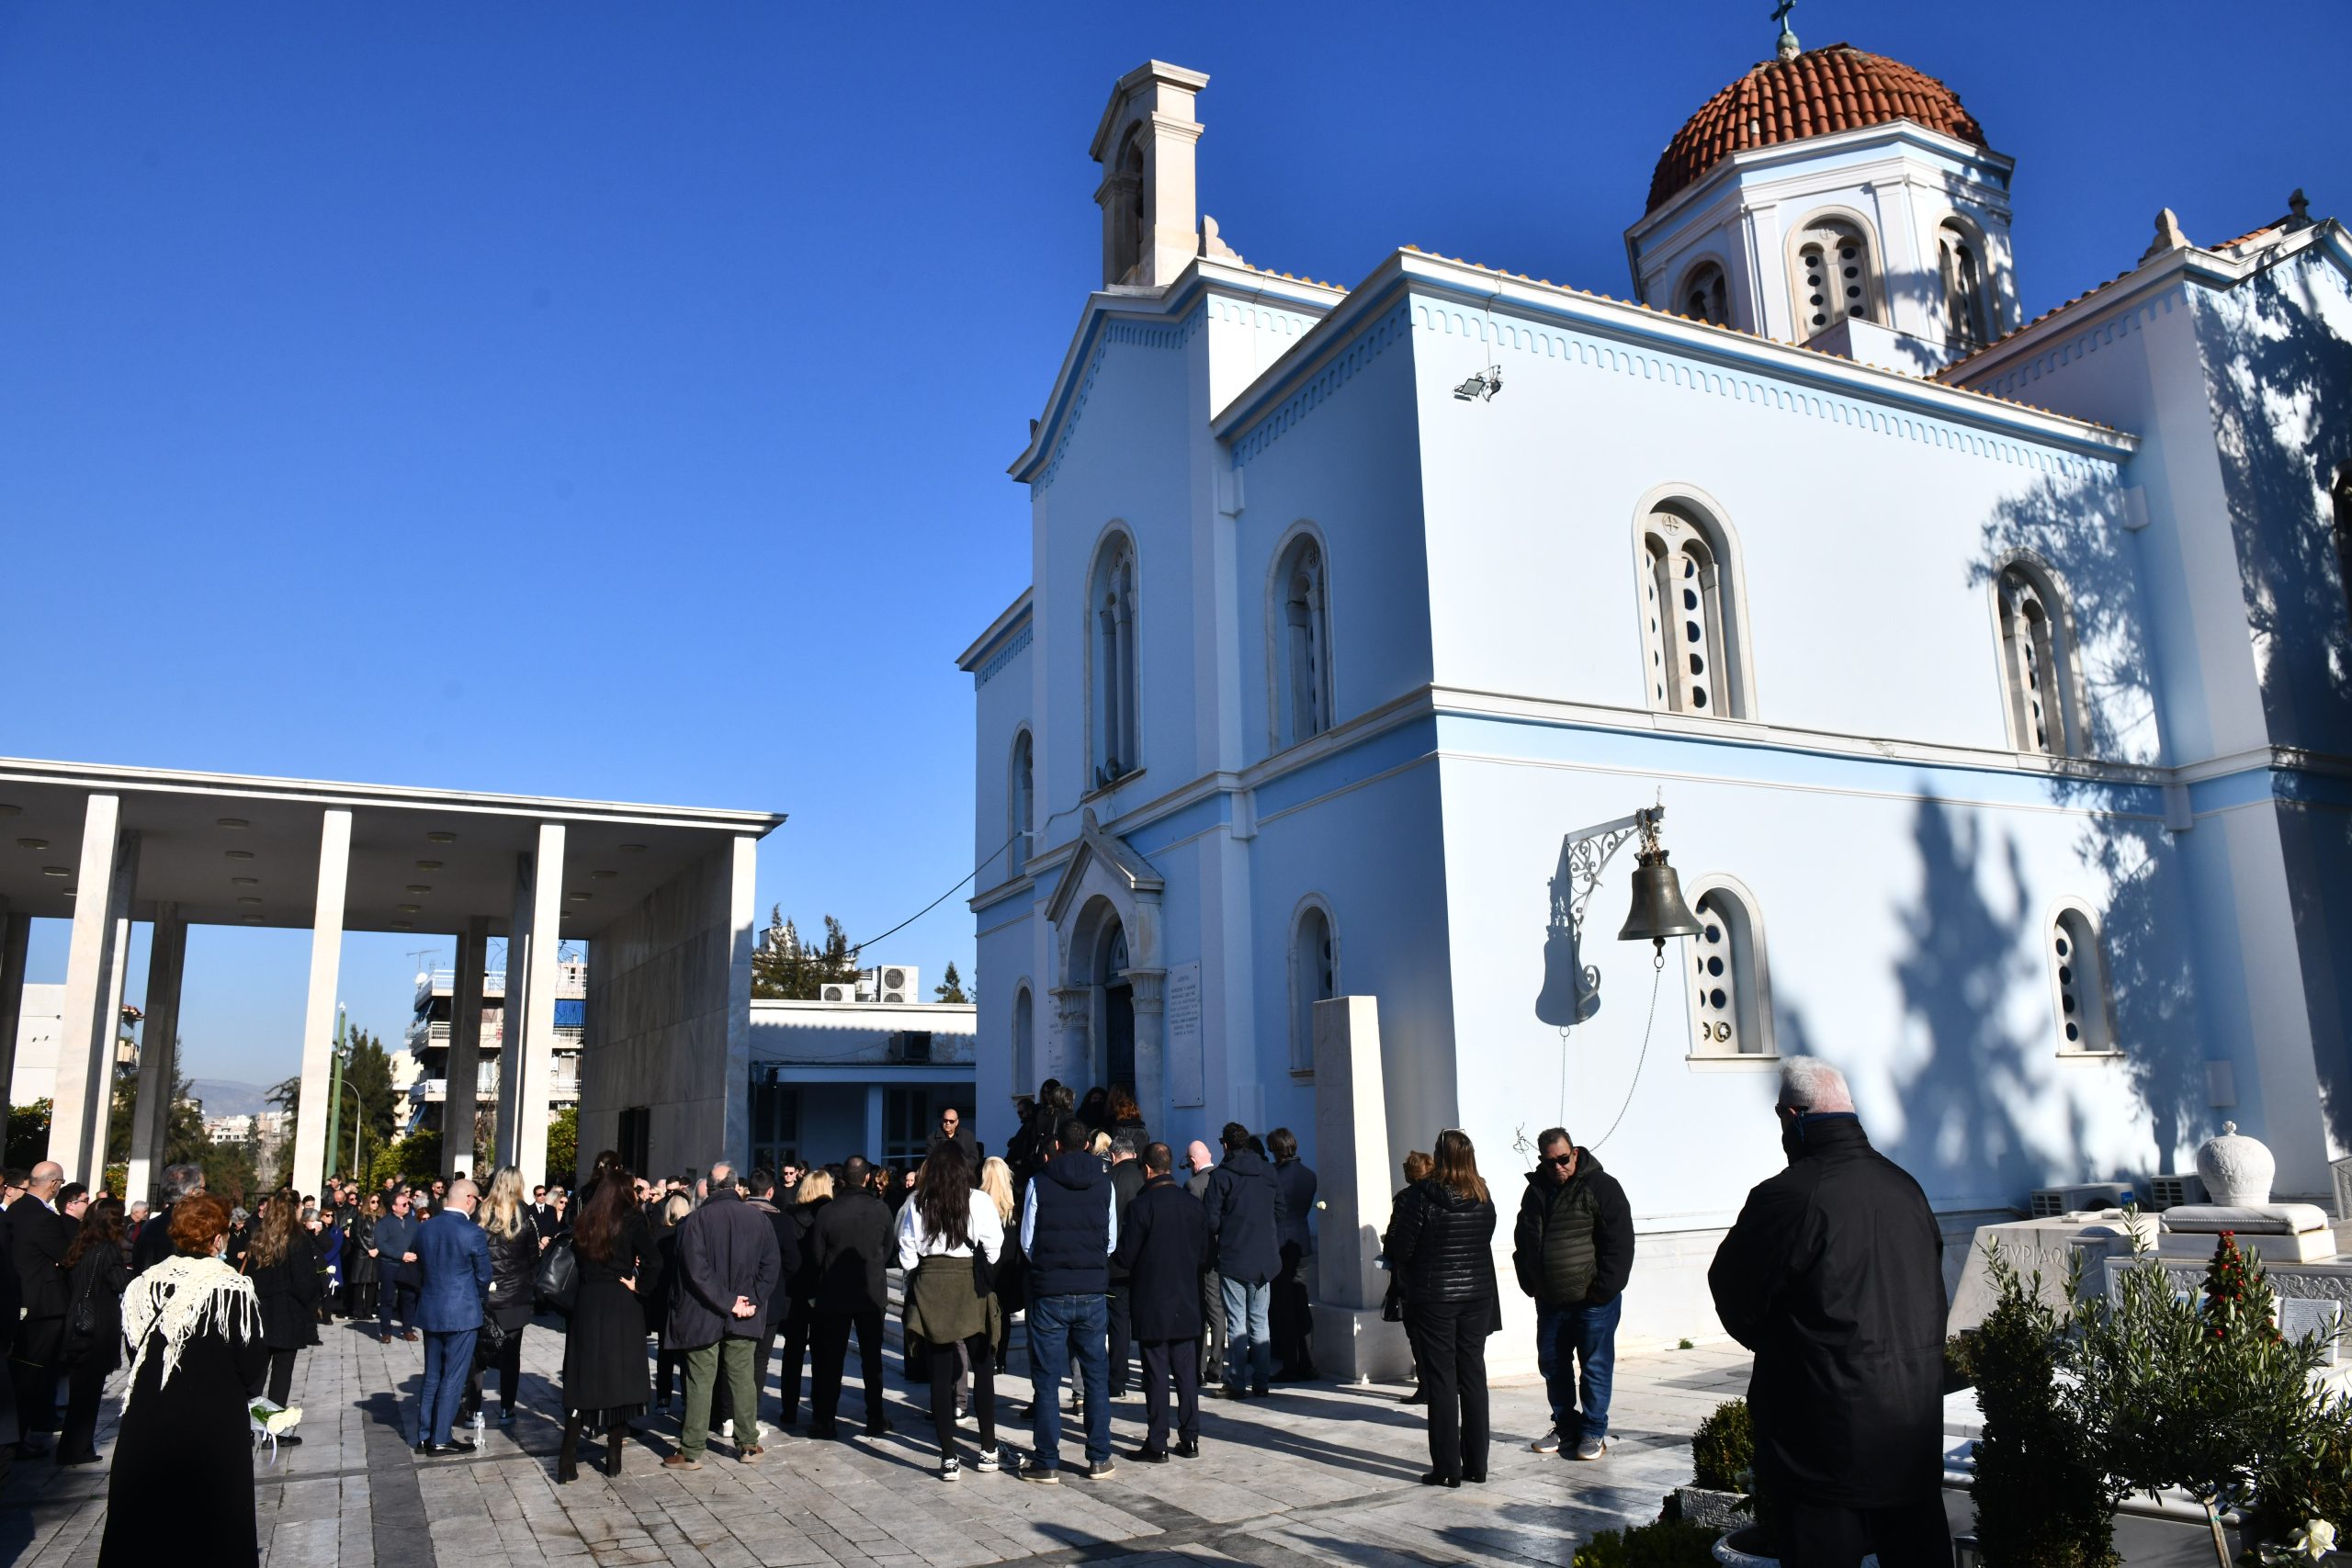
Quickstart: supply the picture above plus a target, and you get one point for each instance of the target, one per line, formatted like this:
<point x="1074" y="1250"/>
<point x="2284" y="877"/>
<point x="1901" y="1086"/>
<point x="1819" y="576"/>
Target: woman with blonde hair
<point x="514" y="1236"/>
<point x="1012" y="1269"/>
<point x="285" y="1271"/>
<point x="799" y="1287"/>
<point x="1441" y="1242"/>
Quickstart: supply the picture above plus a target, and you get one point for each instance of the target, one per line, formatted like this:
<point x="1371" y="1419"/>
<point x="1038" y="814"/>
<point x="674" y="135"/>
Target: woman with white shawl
<point x="182" y="1487"/>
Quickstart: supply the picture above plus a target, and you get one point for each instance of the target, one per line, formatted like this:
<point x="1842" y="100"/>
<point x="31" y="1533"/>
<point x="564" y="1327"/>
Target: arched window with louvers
<point x="2082" y="1006"/>
<point x="1113" y="726"/>
<point x="1693" y="615"/>
<point x="1729" y="979"/>
<point x="2042" y="690"/>
<point x="1300" y="610"/>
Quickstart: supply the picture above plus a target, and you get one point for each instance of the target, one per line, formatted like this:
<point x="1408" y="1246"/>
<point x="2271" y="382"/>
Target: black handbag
<point x="555" y="1283"/>
<point x="82" y="1324"/>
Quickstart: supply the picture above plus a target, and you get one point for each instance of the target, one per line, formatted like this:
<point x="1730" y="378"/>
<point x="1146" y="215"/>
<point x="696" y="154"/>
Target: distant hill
<point x="225" y="1097"/>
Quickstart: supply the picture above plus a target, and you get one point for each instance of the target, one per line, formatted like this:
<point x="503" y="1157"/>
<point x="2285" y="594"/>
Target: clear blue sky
<point x="614" y="401"/>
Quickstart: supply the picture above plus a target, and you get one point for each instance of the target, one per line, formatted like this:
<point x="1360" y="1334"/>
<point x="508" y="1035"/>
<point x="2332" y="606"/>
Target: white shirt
<point x="916" y="1242"/>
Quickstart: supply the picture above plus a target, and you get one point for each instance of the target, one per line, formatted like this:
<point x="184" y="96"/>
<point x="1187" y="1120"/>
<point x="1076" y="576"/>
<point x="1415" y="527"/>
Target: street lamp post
<point x="335" y="1089"/>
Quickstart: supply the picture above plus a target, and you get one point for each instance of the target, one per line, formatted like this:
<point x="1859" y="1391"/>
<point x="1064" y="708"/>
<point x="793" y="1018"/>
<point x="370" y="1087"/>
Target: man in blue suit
<point x="453" y="1255"/>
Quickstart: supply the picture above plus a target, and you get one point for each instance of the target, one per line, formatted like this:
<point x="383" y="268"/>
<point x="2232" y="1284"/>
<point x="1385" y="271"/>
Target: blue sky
<point x="614" y="401"/>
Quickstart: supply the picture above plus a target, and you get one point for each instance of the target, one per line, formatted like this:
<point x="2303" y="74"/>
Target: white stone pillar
<point x="530" y="1034"/>
<point x="151" y="1113"/>
<point x="1073" y="1052"/>
<point x="14" y="934"/>
<point x="306" y="1172"/>
<point x="461" y="1069"/>
<point x="509" y="1010"/>
<point x="872" y="1149"/>
<point x="1148" y="991"/>
<point x="1352" y="1168"/>
<point x="85" y="1041"/>
<point x="126" y="876"/>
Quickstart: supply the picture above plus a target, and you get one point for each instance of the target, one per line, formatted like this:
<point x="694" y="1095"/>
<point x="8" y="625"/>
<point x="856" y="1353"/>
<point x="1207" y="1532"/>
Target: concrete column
<point x="309" y="1168"/>
<point x="463" y="1065"/>
<point x="126" y="875"/>
<point x="15" y="933"/>
<point x="1352" y="1178"/>
<point x="532" y="1044"/>
<point x="518" y="989"/>
<point x="873" y="1150"/>
<point x="85" y="1041"/>
<point x="1148" y="992"/>
<point x="159" y="1064"/>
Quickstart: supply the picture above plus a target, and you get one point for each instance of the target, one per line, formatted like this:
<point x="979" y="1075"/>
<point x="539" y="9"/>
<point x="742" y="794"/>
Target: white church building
<point x="1995" y="676"/>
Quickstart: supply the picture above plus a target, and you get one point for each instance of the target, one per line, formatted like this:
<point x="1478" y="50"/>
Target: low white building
<point x="835" y="1078"/>
<point x="2001" y="716"/>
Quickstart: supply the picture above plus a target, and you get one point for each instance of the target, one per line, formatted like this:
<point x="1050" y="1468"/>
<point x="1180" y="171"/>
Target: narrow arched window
<point x="1021" y="796"/>
<point x="1024" y="1043"/>
<point x="2340" y="494"/>
<point x="2078" y="980"/>
<point x="1967" y="317"/>
<point x="2036" y="661"/>
<point x="1705" y="297"/>
<point x="1729" y="1009"/>
<point x="1314" y="978"/>
<point x="1111" y="631"/>
<point x="1302" y="644"/>
<point x="1690" y="617"/>
<point x="1836" y="277"/>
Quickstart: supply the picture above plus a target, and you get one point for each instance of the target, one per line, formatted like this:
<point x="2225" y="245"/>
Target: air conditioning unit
<point x="838" y="991"/>
<point x="897" y="983"/>
<point x="2051" y="1201"/>
<point x="2171" y="1191"/>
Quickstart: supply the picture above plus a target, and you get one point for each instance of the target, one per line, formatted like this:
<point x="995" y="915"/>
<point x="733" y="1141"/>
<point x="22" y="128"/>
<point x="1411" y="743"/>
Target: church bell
<point x="1658" y="910"/>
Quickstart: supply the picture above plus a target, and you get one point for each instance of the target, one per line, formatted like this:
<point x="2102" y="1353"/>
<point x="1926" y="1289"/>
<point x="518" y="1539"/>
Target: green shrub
<point x="1660" y="1545"/>
<point x="1723" y="1451"/>
<point x="2040" y="1500"/>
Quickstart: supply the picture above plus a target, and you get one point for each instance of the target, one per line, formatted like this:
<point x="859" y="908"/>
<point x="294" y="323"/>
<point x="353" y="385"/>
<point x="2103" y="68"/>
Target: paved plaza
<point x="1314" y="1474"/>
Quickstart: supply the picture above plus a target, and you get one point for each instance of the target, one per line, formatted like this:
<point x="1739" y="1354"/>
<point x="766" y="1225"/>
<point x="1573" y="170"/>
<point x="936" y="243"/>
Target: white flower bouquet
<point x="272" y="1421"/>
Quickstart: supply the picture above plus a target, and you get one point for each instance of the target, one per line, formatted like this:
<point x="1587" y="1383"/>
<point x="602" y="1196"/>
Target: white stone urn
<point x="2236" y="1169"/>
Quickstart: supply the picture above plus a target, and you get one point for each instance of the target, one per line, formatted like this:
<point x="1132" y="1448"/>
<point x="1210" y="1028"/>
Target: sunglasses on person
<point x="1569" y="1158"/>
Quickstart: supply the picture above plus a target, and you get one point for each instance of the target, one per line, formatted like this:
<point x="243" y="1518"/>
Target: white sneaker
<point x="1591" y="1448"/>
<point x="950" y="1468"/>
<point x="989" y="1462"/>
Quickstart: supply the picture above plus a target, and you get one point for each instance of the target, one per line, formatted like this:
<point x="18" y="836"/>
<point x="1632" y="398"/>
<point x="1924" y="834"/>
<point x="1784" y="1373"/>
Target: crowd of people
<point x="1129" y="1269"/>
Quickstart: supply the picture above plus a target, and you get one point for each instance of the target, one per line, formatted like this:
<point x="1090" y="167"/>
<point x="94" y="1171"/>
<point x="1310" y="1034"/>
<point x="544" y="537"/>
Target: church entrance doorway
<point x="1118" y="1012"/>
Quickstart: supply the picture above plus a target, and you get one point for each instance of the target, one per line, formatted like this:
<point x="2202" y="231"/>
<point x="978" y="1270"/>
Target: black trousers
<point x="281" y="1375"/>
<point x="1914" y="1535"/>
<point x="506" y="1362"/>
<point x="946" y="1371"/>
<point x="1290" y="1318"/>
<point x="1118" y="1303"/>
<point x="829" y="1347"/>
<point x="36" y="1389"/>
<point x="1167" y="1361"/>
<point x="83" y="1385"/>
<point x="794" y="1330"/>
<point x="1453" y="1373"/>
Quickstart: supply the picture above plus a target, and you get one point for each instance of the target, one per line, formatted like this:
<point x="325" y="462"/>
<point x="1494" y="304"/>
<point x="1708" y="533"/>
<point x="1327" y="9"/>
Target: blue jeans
<point x="1576" y="1349"/>
<point x="1063" y="1330"/>
<point x="448" y="1357"/>
<point x="1249" y="1344"/>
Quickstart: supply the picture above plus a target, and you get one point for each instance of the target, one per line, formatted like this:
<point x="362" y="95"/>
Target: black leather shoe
<point x="1474" y="1477"/>
<point x="422" y="1450"/>
<point x="1149" y="1456"/>
<point x="1187" y="1448"/>
<point x="454" y="1447"/>
<point x="1434" y="1479"/>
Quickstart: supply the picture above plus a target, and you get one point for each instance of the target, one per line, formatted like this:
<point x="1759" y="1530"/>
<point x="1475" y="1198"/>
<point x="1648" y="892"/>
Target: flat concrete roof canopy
<point x="668" y="888"/>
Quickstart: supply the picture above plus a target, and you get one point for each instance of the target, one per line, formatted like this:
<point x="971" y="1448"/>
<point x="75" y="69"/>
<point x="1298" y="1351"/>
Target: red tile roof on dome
<point x="1818" y="92"/>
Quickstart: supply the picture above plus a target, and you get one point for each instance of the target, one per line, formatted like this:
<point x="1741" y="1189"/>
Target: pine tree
<point x="785" y="967"/>
<point x="951" y="988"/>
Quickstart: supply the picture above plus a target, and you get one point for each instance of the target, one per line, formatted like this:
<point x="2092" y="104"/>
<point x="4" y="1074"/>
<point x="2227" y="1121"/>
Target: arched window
<point x="1314" y="978"/>
<point x="1025" y="1042"/>
<point x="1704" y="296"/>
<point x="1302" y="644"/>
<point x="1732" y="999"/>
<point x="1967" y="317"/>
<point x="2078" y="982"/>
<point x="1110" y="633"/>
<point x="1690" y="616"/>
<point x="1021" y="799"/>
<point x="1836" y="277"/>
<point x="2038" y="663"/>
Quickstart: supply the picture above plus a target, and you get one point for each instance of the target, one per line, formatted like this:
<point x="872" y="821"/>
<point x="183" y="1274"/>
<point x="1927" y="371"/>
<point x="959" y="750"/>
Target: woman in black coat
<point x="513" y="1237"/>
<point x="1441" y="1244"/>
<point x="359" y="1268"/>
<point x="96" y="1277"/>
<point x="285" y="1271"/>
<point x="181" y="1486"/>
<point x="604" y="1354"/>
<point x="816" y="1189"/>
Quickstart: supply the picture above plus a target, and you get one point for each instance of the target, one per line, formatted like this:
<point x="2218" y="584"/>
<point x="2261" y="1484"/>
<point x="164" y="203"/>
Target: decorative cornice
<point x="1130" y="334"/>
<point x="1003" y="656"/>
<point x="1337" y="372"/>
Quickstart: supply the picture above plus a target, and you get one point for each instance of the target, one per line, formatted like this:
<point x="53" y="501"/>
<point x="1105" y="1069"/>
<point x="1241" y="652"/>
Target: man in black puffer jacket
<point x="1070" y="1226"/>
<point x="1245" y="1210"/>
<point x="1573" y="1249"/>
<point x="1833" y="1275"/>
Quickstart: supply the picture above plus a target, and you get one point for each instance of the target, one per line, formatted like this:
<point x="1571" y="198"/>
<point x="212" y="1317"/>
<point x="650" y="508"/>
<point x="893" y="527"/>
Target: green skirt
<point x="943" y="1307"/>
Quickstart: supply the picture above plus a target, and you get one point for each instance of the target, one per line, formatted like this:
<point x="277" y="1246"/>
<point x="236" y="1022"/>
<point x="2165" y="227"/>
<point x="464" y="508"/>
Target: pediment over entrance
<point x="1102" y="857"/>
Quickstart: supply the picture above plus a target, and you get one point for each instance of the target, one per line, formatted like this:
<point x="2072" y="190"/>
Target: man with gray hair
<point x="1126" y="1180"/>
<point x="154" y="1243"/>
<point x="728" y="1264"/>
<point x="1833" y="1276"/>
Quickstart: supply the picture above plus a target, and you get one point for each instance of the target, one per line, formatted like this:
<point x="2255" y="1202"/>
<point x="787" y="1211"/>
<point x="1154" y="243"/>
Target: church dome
<point x="1812" y="94"/>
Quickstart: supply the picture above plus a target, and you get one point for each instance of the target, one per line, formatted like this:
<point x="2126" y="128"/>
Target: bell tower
<point x="1145" y="145"/>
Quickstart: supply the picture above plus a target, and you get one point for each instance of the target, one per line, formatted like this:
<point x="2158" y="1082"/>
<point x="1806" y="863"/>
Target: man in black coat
<point x="728" y="1268"/>
<point x="854" y="1240"/>
<point x="154" y="1243"/>
<point x="1164" y="1250"/>
<point x="1292" y="1310"/>
<point x="40" y="1235"/>
<point x="1126" y="1180"/>
<point x="763" y="1202"/>
<point x="1573" y="1249"/>
<point x="1070" y="1228"/>
<point x="1833" y="1275"/>
<point x="1245" y="1214"/>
